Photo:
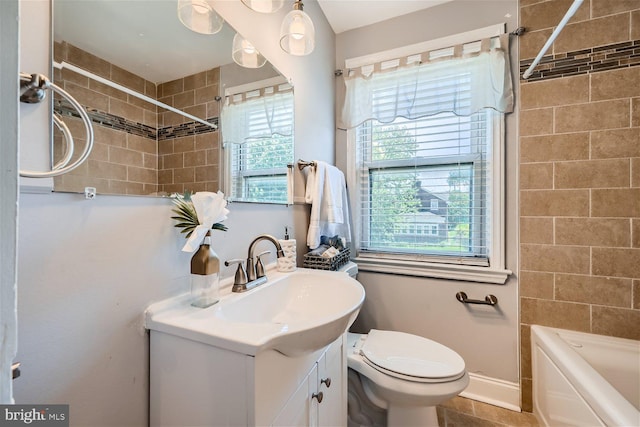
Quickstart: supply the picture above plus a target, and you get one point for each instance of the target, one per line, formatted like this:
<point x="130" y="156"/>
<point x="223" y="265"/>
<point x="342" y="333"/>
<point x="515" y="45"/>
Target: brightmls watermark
<point x="34" y="415"/>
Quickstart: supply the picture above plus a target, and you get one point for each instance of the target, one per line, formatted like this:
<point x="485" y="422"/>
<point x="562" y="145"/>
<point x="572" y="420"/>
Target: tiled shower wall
<point x="189" y="151"/>
<point x="580" y="172"/>
<point x="139" y="148"/>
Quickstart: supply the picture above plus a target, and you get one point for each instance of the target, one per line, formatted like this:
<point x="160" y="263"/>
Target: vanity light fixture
<point x="297" y="34"/>
<point x="245" y="54"/>
<point x="199" y="16"/>
<point x="264" y="6"/>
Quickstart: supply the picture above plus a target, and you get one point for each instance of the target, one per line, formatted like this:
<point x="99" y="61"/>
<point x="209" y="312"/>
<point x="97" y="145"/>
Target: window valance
<point x="421" y="85"/>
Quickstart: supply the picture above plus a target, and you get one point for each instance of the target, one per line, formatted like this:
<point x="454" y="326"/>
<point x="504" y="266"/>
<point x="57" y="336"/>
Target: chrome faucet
<point x="254" y="274"/>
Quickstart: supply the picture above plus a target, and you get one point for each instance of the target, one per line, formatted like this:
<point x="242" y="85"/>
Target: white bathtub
<point x="584" y="379"/>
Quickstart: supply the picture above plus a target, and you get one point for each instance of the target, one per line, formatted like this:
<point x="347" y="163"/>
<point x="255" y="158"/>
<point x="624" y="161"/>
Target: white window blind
<point x="428" y="133"/>
<point x="257" y="128"/>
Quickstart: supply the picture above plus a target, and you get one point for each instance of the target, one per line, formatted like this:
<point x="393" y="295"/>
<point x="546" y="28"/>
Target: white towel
<point x="326" y="191"/>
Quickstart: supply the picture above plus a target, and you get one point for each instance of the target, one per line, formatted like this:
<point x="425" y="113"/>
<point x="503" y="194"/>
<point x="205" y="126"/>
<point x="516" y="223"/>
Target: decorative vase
<point x="205" y="275"/>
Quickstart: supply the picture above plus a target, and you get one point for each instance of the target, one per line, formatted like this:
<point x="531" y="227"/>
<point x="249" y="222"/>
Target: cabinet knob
<point x="326" y="381"/>
<point x="318" y="396"/>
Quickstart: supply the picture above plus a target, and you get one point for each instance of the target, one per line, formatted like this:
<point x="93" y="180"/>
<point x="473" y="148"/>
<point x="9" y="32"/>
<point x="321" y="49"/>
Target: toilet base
<point x="414" y="416"/>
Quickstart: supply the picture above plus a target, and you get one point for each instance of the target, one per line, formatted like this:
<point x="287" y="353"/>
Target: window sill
<point x="433" y="270"/>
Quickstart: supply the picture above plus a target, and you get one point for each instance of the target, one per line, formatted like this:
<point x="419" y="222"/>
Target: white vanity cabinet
<point x="195" y="384"/>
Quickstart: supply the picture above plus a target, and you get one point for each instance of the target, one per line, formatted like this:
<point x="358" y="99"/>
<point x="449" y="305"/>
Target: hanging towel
<point x="326" y="191"/>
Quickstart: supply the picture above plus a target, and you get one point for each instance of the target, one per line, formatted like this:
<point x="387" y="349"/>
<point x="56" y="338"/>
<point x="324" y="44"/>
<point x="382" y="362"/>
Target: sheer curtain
<point x="260" y="113"/>
<point x="396" y="88"/>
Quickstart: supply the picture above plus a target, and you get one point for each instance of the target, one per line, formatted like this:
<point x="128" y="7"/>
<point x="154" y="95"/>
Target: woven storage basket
<point x="320" y="263"/>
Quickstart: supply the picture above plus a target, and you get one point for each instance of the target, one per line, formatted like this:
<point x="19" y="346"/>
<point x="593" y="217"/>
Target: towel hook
<point x="32" y="90"/>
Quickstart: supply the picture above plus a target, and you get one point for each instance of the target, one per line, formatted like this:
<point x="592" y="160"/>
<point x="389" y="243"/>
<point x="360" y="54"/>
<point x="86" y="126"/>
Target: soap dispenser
<point x="288" y="261"/>
<point x="205" y="275"/>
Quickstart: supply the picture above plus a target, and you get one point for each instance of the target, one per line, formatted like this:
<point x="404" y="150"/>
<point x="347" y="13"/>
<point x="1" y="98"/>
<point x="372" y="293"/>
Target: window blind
<point x="424" y="183"/>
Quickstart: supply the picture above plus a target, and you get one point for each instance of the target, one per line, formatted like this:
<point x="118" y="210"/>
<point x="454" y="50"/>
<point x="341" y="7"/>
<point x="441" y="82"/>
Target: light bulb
<point x="297" y="28"/>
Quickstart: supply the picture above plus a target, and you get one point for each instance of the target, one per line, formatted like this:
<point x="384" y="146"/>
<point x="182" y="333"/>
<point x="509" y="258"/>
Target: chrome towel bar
<point x="488" y="300"/>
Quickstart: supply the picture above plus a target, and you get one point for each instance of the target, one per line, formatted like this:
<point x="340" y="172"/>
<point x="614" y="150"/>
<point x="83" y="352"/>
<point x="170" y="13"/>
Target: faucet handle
<point x="241" y="274"/>
<point x="260" y="265"/>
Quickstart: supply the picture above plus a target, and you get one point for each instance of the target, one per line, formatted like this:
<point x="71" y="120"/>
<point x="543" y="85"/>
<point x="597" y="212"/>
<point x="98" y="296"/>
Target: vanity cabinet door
<point x="301" y="409"/>
<point x="332" y="410"/>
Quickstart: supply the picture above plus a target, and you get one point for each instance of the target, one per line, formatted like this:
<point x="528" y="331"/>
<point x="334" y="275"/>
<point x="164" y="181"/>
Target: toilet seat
<point x="410" y="357"/>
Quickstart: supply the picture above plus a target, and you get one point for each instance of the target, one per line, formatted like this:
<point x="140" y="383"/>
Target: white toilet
<point x="403" y="373"/>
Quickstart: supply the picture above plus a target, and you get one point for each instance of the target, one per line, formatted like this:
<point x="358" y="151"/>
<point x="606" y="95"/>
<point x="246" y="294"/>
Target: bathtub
<point x="584" y="379"/>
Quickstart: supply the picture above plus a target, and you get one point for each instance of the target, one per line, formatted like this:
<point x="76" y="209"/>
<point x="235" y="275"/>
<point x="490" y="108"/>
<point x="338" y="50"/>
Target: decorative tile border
<point x="602" y="58"/>
<point x="111" y="121"/>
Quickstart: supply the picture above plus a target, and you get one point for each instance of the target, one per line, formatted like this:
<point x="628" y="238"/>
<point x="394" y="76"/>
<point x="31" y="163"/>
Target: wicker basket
<point x="321" y="263"/>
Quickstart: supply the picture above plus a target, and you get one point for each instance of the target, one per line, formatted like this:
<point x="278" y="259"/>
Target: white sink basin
<point x="293" y="313"/>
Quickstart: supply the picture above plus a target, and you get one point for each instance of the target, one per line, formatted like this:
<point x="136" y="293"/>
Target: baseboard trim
<point x="493" y="391"/>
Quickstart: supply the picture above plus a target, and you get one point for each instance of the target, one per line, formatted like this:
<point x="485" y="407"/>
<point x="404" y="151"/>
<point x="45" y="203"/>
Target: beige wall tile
<point x="554" y="203"/>
<point x="150" y="161"/>
<point x="206" y="173"/>
<point x="536" y="122"/>
<point x="143" y="175"/>
<point x="165" y="146"/>
<point x="107" y="170"/>
<point x="168" y="100"/>
<point x="635" y="25"/>
<point x="127" y="79"/>
<point x="592" y="174"/>
<point x="532" y="42"/>
<point x="525" y="349"/>
<point x="140" y="143"/>
<point x="557" y="314"/>
<point x="635" y="172"/>
<point x="195" y="81"/>
<point x="534" y="284"/>
<point x="213" y="109"/>
<point x="150" y="119"/>
<point x="615" y="143"/>
<point x="549" y="93"/>
<point x="98" y="152"/>
<point x="206" y="94"/>
<point x="128" y="111"/>
<point x="610" y="7"/>
<point x="141" y="103"/>
<point x="526" y="388"/>
<point x="620" y="83"/>
<point x="617" y="322"/>
<point x="108" y="90"/>
<point x="536" y="230"/>
<point x="207" y="140"/>
<point x="213" y="157"/>
<point x="172" y="161"/>
<point x="212" y="186"/>
<point x="150" y="89"/>
<point x="165" y="176"/>
<point x="87" y="97"/>
<point x="592" y="232"/>
<point x="609" y="291"/>
<point x="170" y="88"/>
<point x="195" y="158"/>
<point x="635" y="233"/>
<point x="595" y="32"/>
<point x="170" y="118"/>
<point x="636" y="294"/>
<point x="172" y="188"/>
<point x="124" y="156"/>
<point x="105" y="135"/>
<point x="184" y="175"/>
<point x="556" y="259"/>
<point x="567" y="146"/>
<point x="592" y="116"/>
<point x="184" y="144"/>
<point x="616" y="262"/>
<point x="67" y="75"/>
<point x="213" y="76"/>
<point x="536" y="176"/>
<point x="546" y="15"/>
<point x="184" y="99"/>
<point x="199" y="111"/>
<point x="623" y="203"/>
<point x="125" y="187"/>
<point x="635" y="112"/>
<point x="88" y="61"/>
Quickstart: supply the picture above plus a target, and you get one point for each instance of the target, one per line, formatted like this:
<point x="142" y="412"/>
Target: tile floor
<point x="461" y="412"/>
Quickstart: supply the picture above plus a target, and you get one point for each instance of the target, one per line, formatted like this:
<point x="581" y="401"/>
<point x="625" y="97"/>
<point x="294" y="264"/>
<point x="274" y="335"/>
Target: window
<point x="257" y="128"/>
<point x="428" y="144"/>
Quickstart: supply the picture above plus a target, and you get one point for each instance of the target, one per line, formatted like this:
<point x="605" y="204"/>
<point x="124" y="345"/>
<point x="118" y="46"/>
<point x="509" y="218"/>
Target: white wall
<point x="88" y="269"/>
<point x="487" y="338"/>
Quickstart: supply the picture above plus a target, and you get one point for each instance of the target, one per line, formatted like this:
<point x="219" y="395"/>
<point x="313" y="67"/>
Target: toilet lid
<point x="411" y="357"/>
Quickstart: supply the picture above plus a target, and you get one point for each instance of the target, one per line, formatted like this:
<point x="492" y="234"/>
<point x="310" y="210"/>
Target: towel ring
<point x="32" y="87"/>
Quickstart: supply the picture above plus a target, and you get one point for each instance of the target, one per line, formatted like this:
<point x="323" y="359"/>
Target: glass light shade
<point x="264" y="6"/>
<point x="297" y="34"/>
<point x="245" y="54"/>
<point x="199" y="16"/>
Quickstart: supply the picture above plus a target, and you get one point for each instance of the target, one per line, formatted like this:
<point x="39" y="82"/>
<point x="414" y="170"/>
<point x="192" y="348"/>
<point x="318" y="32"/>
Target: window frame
<point x="435" y="266"/>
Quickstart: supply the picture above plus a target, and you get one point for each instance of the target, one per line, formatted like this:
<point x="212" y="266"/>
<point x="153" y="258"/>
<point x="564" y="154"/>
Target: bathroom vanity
<point x="275" y="355"/>
<point x="197" y="384"/>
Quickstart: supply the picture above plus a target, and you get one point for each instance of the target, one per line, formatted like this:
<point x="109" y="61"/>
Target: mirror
<point x="141" y="148"/>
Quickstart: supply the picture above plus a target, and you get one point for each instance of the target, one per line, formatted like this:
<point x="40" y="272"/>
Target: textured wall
<point x="580" y="172"/>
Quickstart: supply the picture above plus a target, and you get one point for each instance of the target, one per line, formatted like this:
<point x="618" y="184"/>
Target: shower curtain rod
<point x="576" y="4"/>
<point x="61" y="65"/>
